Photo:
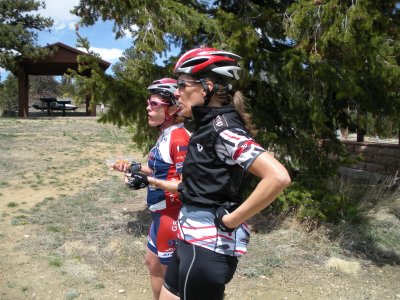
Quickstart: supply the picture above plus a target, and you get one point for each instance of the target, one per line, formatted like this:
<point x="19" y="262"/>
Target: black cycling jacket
<point x="206" y="179"/>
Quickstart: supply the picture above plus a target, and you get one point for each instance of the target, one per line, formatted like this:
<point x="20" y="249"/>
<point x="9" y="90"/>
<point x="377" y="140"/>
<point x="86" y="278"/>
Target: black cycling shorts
<point x="198" y="273"/>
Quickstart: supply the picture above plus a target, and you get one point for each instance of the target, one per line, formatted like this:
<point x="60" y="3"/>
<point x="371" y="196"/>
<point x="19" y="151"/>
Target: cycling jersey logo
<point x="218" y="121"/>
<point x="199" y="147"/>
<point x="243" y="147"/>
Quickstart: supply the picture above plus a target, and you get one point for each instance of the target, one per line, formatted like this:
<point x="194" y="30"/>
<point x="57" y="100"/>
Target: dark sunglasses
<point x="155" y="104"/>
<point x="183" y="83"/>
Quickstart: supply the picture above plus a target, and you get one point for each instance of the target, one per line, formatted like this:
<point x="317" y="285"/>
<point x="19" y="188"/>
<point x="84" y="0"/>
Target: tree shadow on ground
<point x="140" y="223"/>
<point x="265" y="222"/>
<point x="357" y="240"/>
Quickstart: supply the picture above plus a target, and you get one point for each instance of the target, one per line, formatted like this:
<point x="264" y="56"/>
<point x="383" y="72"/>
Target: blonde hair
<point x="239" y="103"/>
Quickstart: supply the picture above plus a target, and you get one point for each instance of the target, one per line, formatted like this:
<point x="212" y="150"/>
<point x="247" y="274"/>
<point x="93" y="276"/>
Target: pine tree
<point x="350" y="50"/>
<point x="18" y="31"/>
<point x="9" y="93"/>
<point x="305" y="63"/>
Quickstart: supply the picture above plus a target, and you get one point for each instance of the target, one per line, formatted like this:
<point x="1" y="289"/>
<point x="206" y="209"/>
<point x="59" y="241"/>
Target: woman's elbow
<point x="283" y="179"/>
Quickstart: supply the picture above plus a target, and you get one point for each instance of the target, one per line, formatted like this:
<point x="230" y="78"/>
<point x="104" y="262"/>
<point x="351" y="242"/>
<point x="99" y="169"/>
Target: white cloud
<point x="59" y="25"/>
<point x="59" y="11"/>
<point x="127" y="32"/>
<point x="71" y="26"/>
<point x="110" y="55"/>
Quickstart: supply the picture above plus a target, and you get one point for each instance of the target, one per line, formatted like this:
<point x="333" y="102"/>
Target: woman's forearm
<point x="167" y="185"/>
<point x="146" y="170"/>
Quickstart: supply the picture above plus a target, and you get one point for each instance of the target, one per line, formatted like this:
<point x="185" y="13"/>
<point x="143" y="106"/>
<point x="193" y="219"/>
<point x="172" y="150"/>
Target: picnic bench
<point x="54" y="104"/>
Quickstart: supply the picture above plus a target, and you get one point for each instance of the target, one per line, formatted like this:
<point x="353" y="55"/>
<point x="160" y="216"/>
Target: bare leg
<point x="156" y="270"/>
<point x="167" y="295"/>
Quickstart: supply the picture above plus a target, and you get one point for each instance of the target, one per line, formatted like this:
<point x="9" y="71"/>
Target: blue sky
<point x="101" y="38"/>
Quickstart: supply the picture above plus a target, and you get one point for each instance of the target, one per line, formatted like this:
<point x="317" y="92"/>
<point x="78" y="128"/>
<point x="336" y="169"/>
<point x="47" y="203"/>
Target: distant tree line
<point x="39" y="86"/>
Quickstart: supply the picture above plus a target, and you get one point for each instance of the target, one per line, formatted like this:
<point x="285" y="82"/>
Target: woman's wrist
<point x="153" y="182"/>
<point x="134" y="166"/>
<point x="230" y="221"/>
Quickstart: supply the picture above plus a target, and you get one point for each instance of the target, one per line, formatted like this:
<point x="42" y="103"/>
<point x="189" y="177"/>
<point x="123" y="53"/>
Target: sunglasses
<point x="181" y="83"/>
<point x="155" y="104"/>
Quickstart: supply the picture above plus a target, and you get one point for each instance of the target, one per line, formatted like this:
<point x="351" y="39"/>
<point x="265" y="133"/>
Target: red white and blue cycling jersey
<point x="166" y="160"/>
<point x="196" y="223"/>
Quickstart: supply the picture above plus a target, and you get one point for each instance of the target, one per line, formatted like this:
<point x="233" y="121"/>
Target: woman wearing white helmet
<point x="221" y="152"/>
<point x="165" y="164"/>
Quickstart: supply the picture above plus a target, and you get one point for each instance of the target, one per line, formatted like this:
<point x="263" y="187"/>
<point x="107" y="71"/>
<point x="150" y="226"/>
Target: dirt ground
<point x="69" y="229"/>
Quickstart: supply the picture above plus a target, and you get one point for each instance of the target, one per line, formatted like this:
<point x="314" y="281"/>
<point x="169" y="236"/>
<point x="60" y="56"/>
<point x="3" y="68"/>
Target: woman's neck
<point x="214" y="102"/>
<point x="168" y="124"/>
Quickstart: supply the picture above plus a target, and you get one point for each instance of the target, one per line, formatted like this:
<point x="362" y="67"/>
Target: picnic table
<point x="54" y="104"/>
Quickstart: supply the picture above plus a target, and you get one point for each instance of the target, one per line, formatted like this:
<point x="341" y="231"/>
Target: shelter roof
<point x="63" y="58"/>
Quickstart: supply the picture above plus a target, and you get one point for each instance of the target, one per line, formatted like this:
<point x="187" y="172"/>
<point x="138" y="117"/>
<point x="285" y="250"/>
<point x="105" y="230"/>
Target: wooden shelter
<point x="63" y="58"/>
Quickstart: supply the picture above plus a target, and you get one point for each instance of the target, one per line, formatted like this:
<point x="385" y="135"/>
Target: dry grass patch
<point x="341" y="265"/>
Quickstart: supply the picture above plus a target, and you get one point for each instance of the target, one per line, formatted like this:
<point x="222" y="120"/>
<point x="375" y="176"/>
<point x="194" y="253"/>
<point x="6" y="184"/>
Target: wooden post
<point x="89" y="112"/>
<point x="360" y="135"/>
<point x="360" y="131"/>
<point x="23" y="94"/>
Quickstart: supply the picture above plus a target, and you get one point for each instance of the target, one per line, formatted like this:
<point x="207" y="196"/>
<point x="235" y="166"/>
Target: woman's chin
<point x="153" y="123"/>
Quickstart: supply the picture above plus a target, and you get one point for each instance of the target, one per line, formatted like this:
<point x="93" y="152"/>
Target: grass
<point x="55" y="261"/>
<point x="53" y="228"/>
<point x="20" y="220"/>
<point x="86" y="217"/>
<point x="4" y="136"/>
<point x="72" y="294"/>
<point x="368" y="191"/>
<point x="4" y="184"/>
<point x="91" y="229"/>
<point x="376" y="235"/>
<point x="99" y="285"/>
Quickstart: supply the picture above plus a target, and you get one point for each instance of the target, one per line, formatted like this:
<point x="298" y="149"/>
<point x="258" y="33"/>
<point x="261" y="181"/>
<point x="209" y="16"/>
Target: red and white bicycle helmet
<point x="166" y="88"/>
<point x="199" y="61"/>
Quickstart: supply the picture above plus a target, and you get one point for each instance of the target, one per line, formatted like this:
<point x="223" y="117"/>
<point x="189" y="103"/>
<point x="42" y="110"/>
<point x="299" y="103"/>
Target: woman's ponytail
<point x="240" y="107"/>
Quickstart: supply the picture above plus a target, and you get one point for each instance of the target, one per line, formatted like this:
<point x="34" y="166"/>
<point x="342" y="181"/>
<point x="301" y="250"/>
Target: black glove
<point x="219" y="213"/>
<point x="137" y="181"/>
<point x="135" y="167"/>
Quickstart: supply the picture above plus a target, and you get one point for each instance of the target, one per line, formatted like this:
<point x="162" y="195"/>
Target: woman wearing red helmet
<point x="164" y="163"/>
<point x="221" y="152"/>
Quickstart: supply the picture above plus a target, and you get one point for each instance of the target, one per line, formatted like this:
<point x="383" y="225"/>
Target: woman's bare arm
<point x="167" y="185"/>
<point x="274" y="178"/>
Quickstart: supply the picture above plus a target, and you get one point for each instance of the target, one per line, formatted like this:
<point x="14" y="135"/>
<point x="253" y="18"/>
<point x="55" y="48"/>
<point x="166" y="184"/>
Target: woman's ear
<point x="172" y="110"/>
<point x="210" y="86"/>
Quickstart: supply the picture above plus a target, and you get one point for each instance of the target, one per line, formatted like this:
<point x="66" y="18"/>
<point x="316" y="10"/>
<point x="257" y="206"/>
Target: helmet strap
<point x="209" y="93"/>
<point x="168" y="118"/>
